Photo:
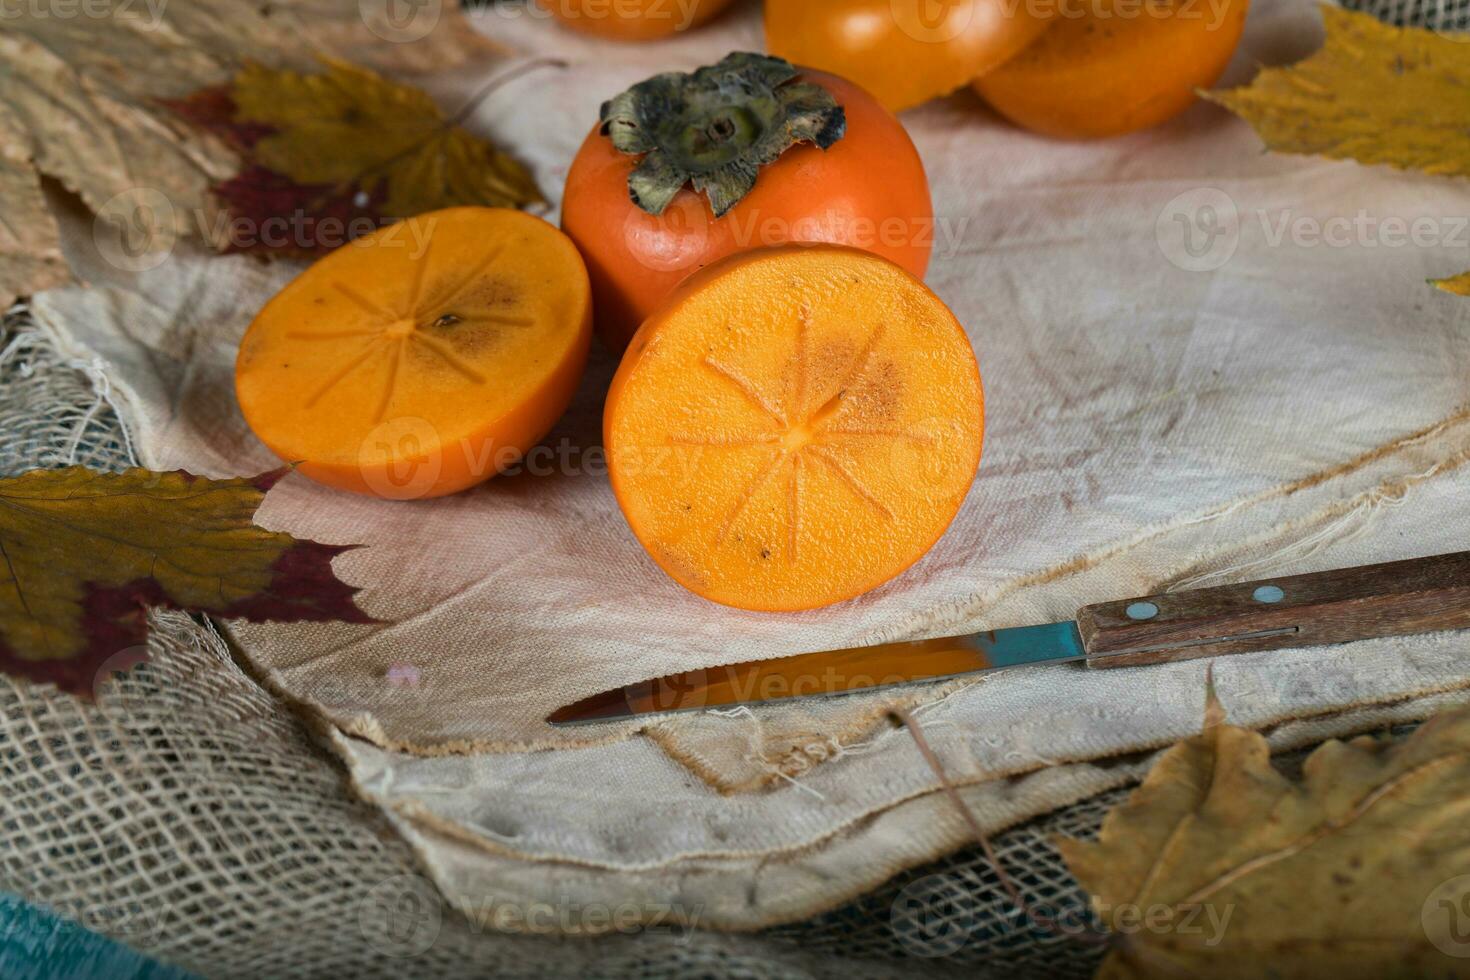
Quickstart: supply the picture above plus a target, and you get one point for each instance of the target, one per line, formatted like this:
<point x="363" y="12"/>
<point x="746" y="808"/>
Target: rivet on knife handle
<point x="1396" y="598"/>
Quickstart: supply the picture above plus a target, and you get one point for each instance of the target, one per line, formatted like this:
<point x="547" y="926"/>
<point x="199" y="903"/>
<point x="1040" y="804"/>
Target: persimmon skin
<point x="633" y="20"/>
<point x="1091" y="77"/>
<point x="504" y="302"/>
<point x="901" y="54"/>
<point x="908" y="363"/>
<point x="867" y="190"/>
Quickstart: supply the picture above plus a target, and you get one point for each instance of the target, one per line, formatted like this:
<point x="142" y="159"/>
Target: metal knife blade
<point x="831" y="672"/>
<point x="1419" y="595"/>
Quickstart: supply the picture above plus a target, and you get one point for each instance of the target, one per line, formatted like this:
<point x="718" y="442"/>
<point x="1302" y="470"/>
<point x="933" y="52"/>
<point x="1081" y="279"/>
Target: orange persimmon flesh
<point x="423" y="358"/>
<point x="796" y="426"/>
<point x="1116" y="66"/>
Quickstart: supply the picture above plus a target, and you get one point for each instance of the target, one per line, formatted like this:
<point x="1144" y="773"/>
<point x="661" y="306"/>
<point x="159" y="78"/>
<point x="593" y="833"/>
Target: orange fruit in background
<point x="905" y="52"/>
<point x="633" y="20"/>
<point x="868" y="189"/>
<point x="1108" y="67"/>
<point x="795" y="427"/>
<point x="423" y="358"/>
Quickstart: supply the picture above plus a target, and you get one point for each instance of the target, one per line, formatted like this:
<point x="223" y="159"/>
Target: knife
<point x="1397" y="598"/>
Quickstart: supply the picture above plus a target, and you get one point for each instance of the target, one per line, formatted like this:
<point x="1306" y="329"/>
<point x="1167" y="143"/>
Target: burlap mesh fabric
<point x="190" y="814"/>
<point x="1440" y="15"/>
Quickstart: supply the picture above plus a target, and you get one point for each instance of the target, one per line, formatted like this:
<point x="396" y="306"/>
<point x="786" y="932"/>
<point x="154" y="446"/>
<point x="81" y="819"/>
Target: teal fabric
<point x="37" y="945"/>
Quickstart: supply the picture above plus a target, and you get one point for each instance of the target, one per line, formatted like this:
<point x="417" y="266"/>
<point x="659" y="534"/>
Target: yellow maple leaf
<point x="84" y="554"/>
<point x="1374" y="93"/>
<point x="350" y="127"/>
<point x="1459" y="285"/>
<point x="1220" y="866"/>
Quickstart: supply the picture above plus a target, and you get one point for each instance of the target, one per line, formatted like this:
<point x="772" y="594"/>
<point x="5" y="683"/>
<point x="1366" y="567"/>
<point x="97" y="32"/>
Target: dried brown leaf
<point x="30" y="244"/>
<point x="1220" y="866"/>
<point x="81" y="101"/>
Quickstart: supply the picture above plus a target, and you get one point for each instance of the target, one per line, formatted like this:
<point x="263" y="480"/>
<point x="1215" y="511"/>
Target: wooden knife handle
<point x="1393" y="599"/>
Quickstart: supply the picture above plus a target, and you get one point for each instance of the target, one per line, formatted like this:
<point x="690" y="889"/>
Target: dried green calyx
<point x="717" y="127"/>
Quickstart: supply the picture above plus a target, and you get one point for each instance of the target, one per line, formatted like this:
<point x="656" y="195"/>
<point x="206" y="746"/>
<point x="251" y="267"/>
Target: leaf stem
<point x="450" y="123"/>
<point x="1089" y="936"/>
<point x="524" y="68"/>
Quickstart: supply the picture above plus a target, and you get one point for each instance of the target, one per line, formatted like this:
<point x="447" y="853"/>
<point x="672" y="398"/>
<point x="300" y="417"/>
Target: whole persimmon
<point x="633" y="20"/>
<point x="683" y="170"/>
<point x="1109" y="67"/>
<point x="905" y="51"/>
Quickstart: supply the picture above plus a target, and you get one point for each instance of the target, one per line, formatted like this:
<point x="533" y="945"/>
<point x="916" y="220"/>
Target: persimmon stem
<point x="716" y="127"/>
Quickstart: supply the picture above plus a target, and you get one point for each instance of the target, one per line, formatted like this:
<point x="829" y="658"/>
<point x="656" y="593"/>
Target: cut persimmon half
<point x="795" y="427"/>
<point x="423" y="358"/>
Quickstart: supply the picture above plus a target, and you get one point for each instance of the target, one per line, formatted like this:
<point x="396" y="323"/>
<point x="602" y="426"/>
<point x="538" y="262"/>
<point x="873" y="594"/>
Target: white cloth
<point x="1300" y="404"/>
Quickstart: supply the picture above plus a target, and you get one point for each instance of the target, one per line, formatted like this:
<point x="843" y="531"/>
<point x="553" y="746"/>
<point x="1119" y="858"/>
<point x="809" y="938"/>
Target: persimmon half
<point x="633" y="20"/>
<point x="684" y="170"/>
<point x="905" y="51"/>
<point x="1109" y="67"/>
<point x="423" y="358"/>
<point x="795" y="427"/>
